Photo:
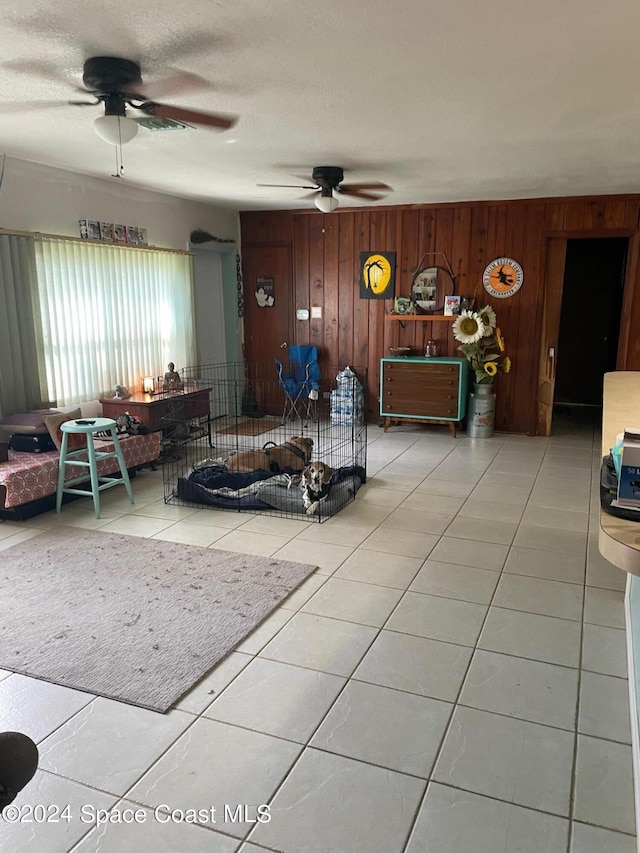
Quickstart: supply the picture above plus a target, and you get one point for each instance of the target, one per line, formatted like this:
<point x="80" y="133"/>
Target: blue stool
<point x="92" y="456"/>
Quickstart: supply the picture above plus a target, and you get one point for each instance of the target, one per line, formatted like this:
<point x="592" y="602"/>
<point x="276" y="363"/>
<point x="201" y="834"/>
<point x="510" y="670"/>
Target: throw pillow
<point x="74" y="440"/>
<point x="126" y="424"/>
<point x="26" y="423"/>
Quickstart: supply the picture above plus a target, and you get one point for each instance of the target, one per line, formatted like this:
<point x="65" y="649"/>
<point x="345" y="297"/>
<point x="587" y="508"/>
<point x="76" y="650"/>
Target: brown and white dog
<point x="315" y="485"/>
<point x="292" y="454"/>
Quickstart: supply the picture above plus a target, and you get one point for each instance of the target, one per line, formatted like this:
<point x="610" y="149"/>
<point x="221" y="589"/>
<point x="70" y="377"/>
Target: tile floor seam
<point x="457" y="702"/>
<point x="67" y="719"/>
<point x="344" y="687"/>
<point x="501" y="800"/>
<point x="574" y="767"/>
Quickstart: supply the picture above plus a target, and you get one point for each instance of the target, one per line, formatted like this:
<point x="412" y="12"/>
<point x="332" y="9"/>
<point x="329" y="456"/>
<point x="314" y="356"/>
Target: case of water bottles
<point x="347" y="400"/>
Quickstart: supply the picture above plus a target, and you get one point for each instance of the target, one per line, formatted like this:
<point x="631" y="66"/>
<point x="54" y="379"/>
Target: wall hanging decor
<point x="377" y="275"/>
<point x="109" y="232"/>
<point x="432" y="284"/>
<point x="503" y="277"/>
<point x="265" y="292"/>
<point x="239" y="286"/>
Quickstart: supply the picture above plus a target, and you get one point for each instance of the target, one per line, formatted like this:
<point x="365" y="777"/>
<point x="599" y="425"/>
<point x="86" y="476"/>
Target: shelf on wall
<point x="421" y="318"/>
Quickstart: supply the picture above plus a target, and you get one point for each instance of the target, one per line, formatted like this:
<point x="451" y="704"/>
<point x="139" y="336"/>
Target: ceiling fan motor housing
<point x="328" y="177"/>
<point x="110" y="74"/>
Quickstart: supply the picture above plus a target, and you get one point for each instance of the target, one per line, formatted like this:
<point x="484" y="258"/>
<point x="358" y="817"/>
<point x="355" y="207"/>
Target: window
<point x="110" y="315"/>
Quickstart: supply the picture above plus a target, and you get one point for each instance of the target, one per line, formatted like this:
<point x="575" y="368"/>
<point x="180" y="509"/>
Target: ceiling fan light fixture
<point x="326" y="203"/>
<point x="117" y="130"/>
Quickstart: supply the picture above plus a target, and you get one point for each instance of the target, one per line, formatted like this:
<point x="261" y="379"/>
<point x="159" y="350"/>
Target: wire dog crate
<point x="249" y="453"/>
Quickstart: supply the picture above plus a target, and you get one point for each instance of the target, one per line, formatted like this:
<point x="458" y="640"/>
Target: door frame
<point x="555" y="248"/>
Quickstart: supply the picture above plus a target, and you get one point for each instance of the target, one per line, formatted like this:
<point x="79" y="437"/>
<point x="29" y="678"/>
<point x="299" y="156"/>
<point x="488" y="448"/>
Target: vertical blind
<point x="111" y="315"/>
<point x="22" y="373"/>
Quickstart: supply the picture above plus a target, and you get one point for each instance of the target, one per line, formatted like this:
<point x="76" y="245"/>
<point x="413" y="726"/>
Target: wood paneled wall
<point x="326" y="256"/>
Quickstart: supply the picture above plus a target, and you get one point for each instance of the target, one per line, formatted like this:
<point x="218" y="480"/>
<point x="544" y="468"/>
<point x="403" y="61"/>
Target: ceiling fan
<point x="117" y="83"/>
<point x="326" y="180"/>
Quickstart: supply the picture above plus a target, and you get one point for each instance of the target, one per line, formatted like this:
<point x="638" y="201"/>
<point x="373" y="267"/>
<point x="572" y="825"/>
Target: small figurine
<point x="172" y="381"/>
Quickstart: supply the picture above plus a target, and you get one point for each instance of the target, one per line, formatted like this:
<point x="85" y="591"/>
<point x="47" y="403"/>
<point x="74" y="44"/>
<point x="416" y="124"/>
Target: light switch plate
<point x="316" y="312"/>
<point x="302" y="314"/>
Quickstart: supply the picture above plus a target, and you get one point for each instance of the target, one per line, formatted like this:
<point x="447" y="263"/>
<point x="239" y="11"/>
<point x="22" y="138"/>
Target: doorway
<point x="590" y="314"/>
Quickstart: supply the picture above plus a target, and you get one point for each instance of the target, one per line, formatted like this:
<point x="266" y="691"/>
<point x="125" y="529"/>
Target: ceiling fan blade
<point x="291" y="186"/>
<point x="192" y="43"/>
<point x="216" y="120"/>
<point x="354" y="193"/>
<point x="176" y="83"/>
<point x="38" y="68"/>
<point x="377" y="185"/>
<point x="28" y="106"/>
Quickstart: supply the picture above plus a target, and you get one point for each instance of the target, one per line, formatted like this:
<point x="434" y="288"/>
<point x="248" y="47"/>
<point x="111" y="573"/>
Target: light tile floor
<point x="452" y="679"/>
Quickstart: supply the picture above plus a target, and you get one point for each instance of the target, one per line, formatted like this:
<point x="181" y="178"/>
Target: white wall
<point x="34" y="197"/>
<point x="209" y="307"/>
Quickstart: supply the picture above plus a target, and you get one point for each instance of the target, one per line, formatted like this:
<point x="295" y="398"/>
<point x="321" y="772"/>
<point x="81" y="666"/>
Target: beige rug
<point x="133" y="619"/>
<point x="252" y="426"/>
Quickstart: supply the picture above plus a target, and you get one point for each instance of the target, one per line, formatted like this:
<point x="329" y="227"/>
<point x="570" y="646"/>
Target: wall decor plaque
<point x="377" y="275"/>
<point x="503" y="277"/>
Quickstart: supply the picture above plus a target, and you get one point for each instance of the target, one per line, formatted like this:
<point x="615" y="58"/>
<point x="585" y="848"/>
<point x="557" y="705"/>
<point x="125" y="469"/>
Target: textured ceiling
<point x="442" y="101"/>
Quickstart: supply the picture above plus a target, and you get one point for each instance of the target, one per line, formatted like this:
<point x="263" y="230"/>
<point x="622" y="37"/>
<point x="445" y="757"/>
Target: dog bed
<point x="216" y="486"/>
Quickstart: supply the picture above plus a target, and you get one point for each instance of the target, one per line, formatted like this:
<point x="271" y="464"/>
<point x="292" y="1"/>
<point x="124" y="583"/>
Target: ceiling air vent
<point x="157" y="123"/>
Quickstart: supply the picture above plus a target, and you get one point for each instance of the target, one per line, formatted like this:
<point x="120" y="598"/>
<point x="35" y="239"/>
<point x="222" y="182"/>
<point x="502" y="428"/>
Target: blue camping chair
<point x="300" y="384"/>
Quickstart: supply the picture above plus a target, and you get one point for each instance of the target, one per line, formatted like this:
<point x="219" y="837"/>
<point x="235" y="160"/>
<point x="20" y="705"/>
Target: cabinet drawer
<point x="418" y="387"/>
<point x="413" y="372"/>
<point x="432" y="405"/>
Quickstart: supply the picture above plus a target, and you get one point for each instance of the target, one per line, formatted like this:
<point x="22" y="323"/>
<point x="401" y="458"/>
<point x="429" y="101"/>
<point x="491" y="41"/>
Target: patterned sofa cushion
<point x="29" y="476"/>
<point x="26" y="423"/>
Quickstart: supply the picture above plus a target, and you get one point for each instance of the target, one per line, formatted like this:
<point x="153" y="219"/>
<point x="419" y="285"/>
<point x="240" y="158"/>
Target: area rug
<point x="252" y="426"/>
<point x="133" y="619"/>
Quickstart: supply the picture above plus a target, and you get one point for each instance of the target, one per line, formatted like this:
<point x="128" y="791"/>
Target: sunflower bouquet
<point x="482" y="343"/>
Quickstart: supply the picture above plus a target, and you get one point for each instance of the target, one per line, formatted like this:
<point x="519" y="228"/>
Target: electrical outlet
<point x="316" y="312"/>
<point x="326" y="395"/>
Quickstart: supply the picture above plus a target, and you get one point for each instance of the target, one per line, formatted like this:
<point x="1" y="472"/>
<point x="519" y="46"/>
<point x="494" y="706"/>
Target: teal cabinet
<point x="423" y="389"/>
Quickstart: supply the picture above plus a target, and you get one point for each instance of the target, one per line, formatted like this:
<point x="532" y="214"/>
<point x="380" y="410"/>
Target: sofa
<point x="28" y="481"/>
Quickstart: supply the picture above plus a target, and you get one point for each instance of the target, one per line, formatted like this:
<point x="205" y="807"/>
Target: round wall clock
<point x="503" y="277"/>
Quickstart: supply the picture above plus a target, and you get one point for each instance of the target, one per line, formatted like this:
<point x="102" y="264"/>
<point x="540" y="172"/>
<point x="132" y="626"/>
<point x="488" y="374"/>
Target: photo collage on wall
<point x="109" y="232"/>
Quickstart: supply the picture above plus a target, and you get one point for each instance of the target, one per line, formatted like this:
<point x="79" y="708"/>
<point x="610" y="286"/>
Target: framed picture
<point x="93" y="229"/>
<point x="403" y="305"/>
<point x="106" y="231"/>
<point x="84" y="228"/>
<point x="120" y="233"/>
<point x="132" y="235"/>
<point x="377" y="275"/>
<point x="142" y="236"/>
<point x="452" y="305"/>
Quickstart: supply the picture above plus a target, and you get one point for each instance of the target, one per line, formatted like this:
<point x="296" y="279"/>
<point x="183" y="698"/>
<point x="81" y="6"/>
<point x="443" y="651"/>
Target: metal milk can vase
<point x="481" y="411"/>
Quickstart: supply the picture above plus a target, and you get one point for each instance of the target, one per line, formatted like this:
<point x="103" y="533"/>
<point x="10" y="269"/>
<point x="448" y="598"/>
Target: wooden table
<point x="618" y="539"/>
<point x="158" y="411"/>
